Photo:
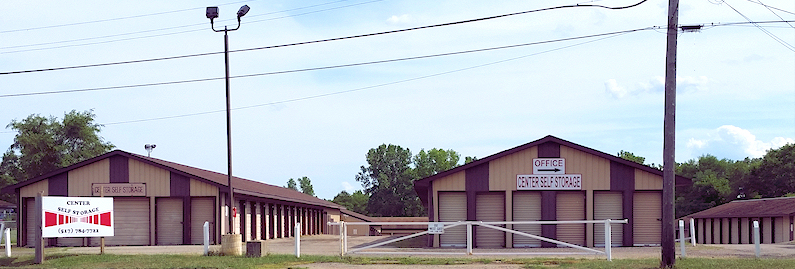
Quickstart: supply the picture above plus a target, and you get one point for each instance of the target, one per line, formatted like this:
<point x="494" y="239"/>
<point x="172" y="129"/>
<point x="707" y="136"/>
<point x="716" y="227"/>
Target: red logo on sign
<point x="53" y="219"/>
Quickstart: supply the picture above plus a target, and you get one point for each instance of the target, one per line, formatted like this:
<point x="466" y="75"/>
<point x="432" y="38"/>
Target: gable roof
<point x="769" y="207"/>
<point x="421" y="185"/>
<point x="241" y="185"/>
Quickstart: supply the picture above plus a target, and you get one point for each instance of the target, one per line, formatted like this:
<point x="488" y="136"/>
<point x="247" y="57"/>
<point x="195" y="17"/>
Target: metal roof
<point x="755" y="208"/>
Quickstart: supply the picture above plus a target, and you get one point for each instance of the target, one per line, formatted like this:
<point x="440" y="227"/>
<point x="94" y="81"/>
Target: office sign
<point x="118" y="189"/>
<point x="549" y="166"/>
<point x="549" y="182"/>
<point x="76" y="216"/>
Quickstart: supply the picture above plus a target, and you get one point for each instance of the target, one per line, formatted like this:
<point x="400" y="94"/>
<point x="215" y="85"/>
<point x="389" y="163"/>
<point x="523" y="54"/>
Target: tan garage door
<point x="453" y="207"/>
<point x="608" y="205"/>
<point x="30" y="219"/>
<point x="201" y="210"/>
<point x="169" y="221"/>
<point x="131" y="223"/>
<point x="571" y="206"/>
<point x="647" y="211"/>
<point x="526" y="207"/>
<point x="490" y="207"/>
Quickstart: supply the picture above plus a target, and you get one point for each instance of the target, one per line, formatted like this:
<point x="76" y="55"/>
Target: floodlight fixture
<point x="212" y="12"/>
<point x="242" y="11"/>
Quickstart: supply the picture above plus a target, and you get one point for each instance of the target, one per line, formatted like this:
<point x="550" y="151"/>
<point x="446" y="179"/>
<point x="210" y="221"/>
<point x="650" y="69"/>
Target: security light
<point x="212" y="12"/>
<point x="242" y="12"/>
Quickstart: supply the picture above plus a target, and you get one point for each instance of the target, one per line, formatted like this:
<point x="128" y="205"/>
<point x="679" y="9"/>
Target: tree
<point x="626" y="155"/>
<point x="715" y="182"/>
<point x="292" y="185"/>
<point x="388" y="181"/>
<point x="469" y="159"/>
<point x="356" y="202"/>
<point x="44" y="144"/>
<point x="306" y="186"/>
<point x="434" y="161"/>
<point x="774" y="174"/>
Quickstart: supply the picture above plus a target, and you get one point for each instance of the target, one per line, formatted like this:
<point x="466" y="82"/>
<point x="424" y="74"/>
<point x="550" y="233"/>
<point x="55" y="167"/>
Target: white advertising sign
<point x="76" y="216"/>
<point x="549" y="182"/>
<point x="547" y="166"/>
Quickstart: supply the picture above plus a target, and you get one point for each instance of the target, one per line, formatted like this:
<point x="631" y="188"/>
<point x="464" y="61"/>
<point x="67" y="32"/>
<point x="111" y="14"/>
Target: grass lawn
<point x="63" y="260"/>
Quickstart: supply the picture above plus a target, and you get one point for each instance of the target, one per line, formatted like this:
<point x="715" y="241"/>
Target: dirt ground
<point x="330" y="245"/>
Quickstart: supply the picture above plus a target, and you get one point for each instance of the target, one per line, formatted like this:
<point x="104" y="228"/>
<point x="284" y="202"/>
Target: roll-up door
<point x="453" y="207"/>
<point x="201" y="209"/>
<point x="169" y="221"/>
<point x="647" y="211"/>
<point x="526" y="207"/>
<point x="30" y="219"/>
<point x="490" y="207"/>
<point x="571" y="206"/>
<point x="130" y="221"/>
<point x="608" y="205"/>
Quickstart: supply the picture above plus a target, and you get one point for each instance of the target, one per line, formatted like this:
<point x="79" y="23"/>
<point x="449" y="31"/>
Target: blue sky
<point x="736" y="84"/>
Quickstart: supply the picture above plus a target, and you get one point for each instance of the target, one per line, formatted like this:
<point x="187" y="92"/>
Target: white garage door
<point x="169" y="221"/>
<point x="526" y="207"/>
<point x="490" y="207"/>
<point x="647" y="212"/>
<point x="608" y="205"/>
<point x="571" y="206"/>
<point x="201" y="210"/>
<point x="453" y="207"/>
<point x="131" y="223"/>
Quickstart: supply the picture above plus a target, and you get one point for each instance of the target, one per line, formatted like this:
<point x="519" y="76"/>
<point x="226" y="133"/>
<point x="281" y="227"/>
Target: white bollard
<point x="342" y="243"/>
<point x="693" y="231"/>
<point x="206" y="229"/>
<point x="8" y="242"/>
<point x="608" y="243"/>
<point x="469" y="238"/>
<point x="756" y="238"/>
<point x="682" y="237"/>
<point x="297" y="239"/>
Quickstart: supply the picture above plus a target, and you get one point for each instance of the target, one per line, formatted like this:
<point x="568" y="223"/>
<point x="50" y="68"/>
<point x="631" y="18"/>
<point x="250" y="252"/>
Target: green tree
<point x="434" y="161"/>
<point x="469" y="159"/>
<point x="292" y="185"/>
<point x="43" y="144"/>
<point x="626" y="155"/>
<point x="356" y="202"/>
<point x="388" y="181"/>
<point x="306" y="186"/>
<point x="773" y="175"/>
<point x="715" y="182"/>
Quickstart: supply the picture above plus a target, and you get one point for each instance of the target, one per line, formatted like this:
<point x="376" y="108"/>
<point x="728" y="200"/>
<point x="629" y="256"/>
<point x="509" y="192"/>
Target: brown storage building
<point x="157" y="202"/>
<point x="519" y="185"/>
<point x="732" y="223"/>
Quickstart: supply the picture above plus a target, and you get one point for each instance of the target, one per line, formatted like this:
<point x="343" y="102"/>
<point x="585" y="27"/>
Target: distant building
<point x="732" y="223"/>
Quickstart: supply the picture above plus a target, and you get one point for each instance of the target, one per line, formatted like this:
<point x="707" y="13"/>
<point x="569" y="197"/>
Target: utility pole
<point x="669" y="137"/>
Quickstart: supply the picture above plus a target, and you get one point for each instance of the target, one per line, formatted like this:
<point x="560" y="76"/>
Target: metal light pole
<point x="212" y="13"/>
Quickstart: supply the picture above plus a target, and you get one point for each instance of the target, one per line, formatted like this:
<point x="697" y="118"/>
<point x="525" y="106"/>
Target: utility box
<point x="256" y="248"/>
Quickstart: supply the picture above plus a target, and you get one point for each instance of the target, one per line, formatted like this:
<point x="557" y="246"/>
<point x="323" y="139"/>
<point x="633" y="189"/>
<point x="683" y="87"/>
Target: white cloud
<point x="733" y="142"/>
<point x="402" y="19"/>
<point x="347" y="186"/>
<point x="685" y="84"/>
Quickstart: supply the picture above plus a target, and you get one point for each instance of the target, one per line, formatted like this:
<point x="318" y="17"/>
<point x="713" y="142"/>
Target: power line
<point x="113" y="19"/>
<point x="322" y="40"/>
<point x="774" y="13"/>
<point x="779" y="40"/>
<point x="609" y="35"/>
<point x="326" y="67"/>
<point x="170" y="28"/>
<point x="769" y="7"/>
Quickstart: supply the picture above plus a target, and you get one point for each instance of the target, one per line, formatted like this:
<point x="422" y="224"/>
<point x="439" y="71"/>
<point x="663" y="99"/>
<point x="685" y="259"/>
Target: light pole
<point x="212" y="13"/>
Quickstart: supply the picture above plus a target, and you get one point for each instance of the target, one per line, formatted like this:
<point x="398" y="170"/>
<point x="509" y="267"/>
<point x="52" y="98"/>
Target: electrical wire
<point x="779" y="40"/>
<point x="774" y="13"/>
<point x="769" y="7"/>
<point x="323" y="40"/>
<point x="171" y="28"/>
<point x="113" y="19"/>
<point x="609" y="35"/>
<point x="325" y="67"/>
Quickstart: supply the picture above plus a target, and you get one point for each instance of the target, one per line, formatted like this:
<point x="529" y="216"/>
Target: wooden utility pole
<point x="669" y="137"/>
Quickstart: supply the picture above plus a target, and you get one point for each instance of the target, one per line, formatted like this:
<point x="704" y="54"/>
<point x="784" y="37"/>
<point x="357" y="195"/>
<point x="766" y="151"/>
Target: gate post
<point x="469" y="238"/>
<point x="608" y="240"/>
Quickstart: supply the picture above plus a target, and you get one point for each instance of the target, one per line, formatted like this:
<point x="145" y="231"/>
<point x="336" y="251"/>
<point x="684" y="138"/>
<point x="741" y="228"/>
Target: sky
<point x="735" y="83"/>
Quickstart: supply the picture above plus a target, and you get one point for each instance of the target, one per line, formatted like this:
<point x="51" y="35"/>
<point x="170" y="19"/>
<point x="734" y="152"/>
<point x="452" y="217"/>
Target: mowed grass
<point x="64" y="260"/>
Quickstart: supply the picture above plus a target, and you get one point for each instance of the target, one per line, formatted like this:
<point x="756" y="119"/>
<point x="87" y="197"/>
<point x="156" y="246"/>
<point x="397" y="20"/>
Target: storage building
<point x="732" y="223"/>
<point x="547" y="179"/>
<point x="157" y="202"/>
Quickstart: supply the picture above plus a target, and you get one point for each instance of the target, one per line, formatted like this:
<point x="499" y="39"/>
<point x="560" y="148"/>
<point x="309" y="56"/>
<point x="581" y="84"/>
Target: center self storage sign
<point x="76" y="216"/>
